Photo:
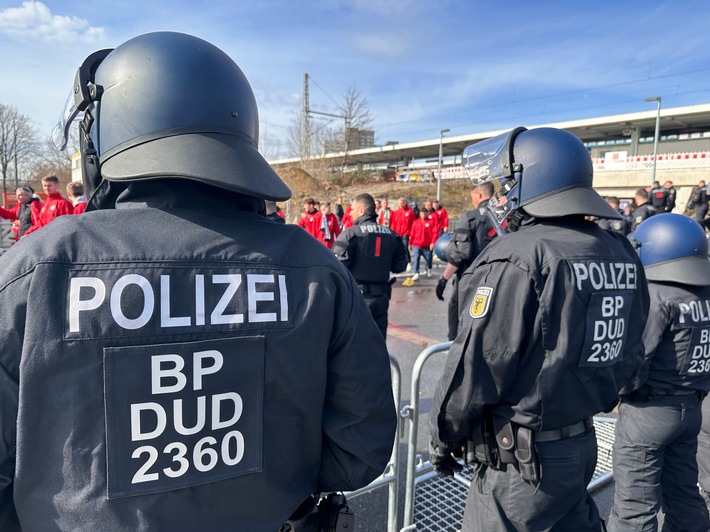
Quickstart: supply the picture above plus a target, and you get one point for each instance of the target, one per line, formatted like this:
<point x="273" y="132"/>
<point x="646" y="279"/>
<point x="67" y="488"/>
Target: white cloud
<point x="388" y="45"/>
<point x="34" y="21"/>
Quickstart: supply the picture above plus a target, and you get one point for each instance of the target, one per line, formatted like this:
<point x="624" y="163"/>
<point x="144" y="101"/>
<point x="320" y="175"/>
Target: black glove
<point x="440" y="286"/>
<point x="443" y="461"/>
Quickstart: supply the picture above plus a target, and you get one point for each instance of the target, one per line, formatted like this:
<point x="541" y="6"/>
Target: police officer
<point x="659" y="197"/>
<point x="169" y="361"/>
<point x="473" y="233"/>
<point x="371" y="251"/>
<point x="660" y="412"/>
<point x="621" y="226"/>
<point x="643" y="209"/>
<point x="672" y="193"/>
<point x="699" y="202"/>
<point x="552" y="317"/>
<point x="703" y="455"/>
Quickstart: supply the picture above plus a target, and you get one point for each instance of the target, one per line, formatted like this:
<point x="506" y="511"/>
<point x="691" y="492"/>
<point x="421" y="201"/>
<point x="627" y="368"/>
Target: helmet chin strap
<point x="102" y="194"/>
<point x="515" y="220"/>
<point x="90" y="168"/>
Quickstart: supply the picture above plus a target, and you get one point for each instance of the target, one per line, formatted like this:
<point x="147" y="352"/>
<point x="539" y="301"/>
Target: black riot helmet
<point x="545" y="172"/>
<point x="673" y="248"/>
<point x="171" y="105"/>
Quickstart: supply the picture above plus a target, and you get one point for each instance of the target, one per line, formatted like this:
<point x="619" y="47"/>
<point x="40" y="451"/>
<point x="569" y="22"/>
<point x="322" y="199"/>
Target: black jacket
<point x="180" y="363"/>
<point x="641" y="213"/>
<point x="677" y="338"/>
<point x="474" y="232"/>
<point x="370" y="251"/>
<point x="551" y="323"/>
<point x="24" y="215"/>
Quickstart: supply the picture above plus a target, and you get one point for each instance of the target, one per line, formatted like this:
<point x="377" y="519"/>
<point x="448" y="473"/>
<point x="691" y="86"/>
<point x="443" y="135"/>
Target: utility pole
<point x="441" y="154"/>
<point x="656" y="135"/>
<point x="306" y="125"/>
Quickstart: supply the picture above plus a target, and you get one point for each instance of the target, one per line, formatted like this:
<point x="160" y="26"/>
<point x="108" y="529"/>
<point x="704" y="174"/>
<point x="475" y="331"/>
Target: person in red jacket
<point x="433" y="215"/>
<point x="443" y="217"/>
<point x="308" y="218"/>
<point x="385" y="216"/>
<point x="329" y="228"/>
<point x="347" y="219"/>
<point x="422" y="238"/>
<point x="402" y="220"/>
<point x="54" y="206"/>
<point x="24" y="214"/>
<point x="75" y="192"/>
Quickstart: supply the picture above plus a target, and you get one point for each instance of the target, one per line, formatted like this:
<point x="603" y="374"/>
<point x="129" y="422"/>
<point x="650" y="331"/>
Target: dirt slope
<point x="454" y="192"/>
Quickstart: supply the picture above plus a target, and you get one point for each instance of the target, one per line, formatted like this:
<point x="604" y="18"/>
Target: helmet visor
<point x="79" y="98"/>
<point x="70" y="115"/>
<point x="492" y="158"/>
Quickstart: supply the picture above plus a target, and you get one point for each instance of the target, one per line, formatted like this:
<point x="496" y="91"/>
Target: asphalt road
<point x="418" y="320"/>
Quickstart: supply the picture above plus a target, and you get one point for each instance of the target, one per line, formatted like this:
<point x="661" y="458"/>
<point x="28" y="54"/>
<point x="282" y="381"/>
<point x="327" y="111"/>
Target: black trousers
<point x="500" y="500"/>
<point x="379" y="305"/>
<point x="654" y="465"/>
<point x="377" y="298"/>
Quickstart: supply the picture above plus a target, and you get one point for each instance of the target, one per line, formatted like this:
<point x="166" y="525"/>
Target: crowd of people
<point x="419" y="225"/>
<point x="655" y="199"/>
<point x="31" y="212"/>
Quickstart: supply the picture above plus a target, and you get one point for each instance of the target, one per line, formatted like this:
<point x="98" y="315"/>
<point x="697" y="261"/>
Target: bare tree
<point x="323" y="138"/>
<point x="357" y="111"/>
<point x="51" y="161"/>
<point x="358" y="117"/>
<point x="17" y="143"/>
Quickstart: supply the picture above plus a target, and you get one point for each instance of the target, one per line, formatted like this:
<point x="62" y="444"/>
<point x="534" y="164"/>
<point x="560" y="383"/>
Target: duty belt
<point x="373" y="289"/>
<point x="677" y="391"/>
<point x="565" y="432"/>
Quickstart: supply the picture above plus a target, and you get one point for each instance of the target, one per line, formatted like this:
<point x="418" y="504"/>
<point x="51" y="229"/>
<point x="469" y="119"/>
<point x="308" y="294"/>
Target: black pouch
<point x="505" y="439"/>
<point x="389" y="287"/>
<point x="642" y="394"/>
<point x="481" y="448"/>
<point x="528" y="461"/>
<point x="304" y="519"/>
<point x="335" y="514"/>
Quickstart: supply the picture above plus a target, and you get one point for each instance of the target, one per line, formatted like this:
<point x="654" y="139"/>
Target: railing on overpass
<point x="612" y="162"/>
<point x="669" y="161"/>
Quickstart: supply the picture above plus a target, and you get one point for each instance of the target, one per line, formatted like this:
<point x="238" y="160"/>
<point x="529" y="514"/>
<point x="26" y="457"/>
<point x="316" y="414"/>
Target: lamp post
<point x="441" y="153"/>
<point x="656" y="135"/>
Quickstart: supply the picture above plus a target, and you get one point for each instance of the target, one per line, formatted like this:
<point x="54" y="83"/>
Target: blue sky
<point x="423" y="65"/>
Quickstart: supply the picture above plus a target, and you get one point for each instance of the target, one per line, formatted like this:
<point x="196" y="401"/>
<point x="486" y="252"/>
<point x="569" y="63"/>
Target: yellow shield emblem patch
<point x="481" y="302"/>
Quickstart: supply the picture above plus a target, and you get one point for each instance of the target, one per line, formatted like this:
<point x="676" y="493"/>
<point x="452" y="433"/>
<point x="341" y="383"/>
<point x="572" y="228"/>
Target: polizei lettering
<point x="374" y="228"/>
<point x="157" y="302"/>
<point x="593" y="276"/>
<point x="694" y="312"/>
<point x="183" y="414"/>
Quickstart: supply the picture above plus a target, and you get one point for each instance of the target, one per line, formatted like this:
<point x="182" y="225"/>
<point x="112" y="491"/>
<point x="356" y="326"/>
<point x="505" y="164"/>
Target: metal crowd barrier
<point x="437" y="504"/>
<point x="6" y="236"/>
<point x="411" y="413"/>
<point x="390" y="475"/>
